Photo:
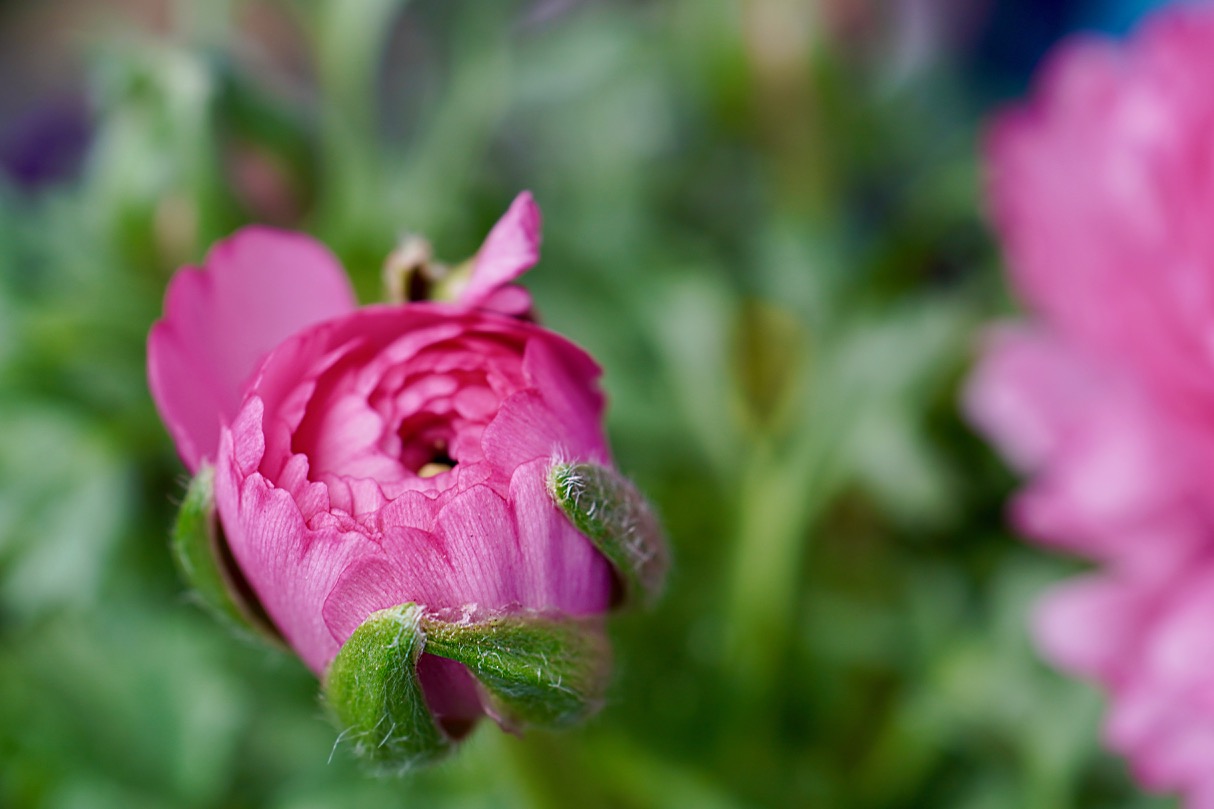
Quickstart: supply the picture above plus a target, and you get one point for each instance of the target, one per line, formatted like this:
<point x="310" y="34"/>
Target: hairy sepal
<point x="201" y="556"/>
<point x="534" y="669"/>
<point x="604" y="506"/>
<point x="372" y="691"/>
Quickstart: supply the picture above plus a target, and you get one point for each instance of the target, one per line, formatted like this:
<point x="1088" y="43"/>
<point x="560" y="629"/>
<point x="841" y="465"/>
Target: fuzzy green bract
<point x="536" y="670"/>
<point x="197" y="550"/>
<point x="608" y="509"/>
<point x="373" y="692"/>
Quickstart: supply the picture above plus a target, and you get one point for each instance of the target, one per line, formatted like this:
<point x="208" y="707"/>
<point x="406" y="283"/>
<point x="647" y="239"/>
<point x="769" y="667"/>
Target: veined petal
<point x="560" y="568"/>
<point x="287" y="564"/>
<point x="254" y="290"/>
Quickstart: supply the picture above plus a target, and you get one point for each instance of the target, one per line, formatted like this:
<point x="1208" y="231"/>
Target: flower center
<point x="439" y="462"/>
<point x="425" y="444"/>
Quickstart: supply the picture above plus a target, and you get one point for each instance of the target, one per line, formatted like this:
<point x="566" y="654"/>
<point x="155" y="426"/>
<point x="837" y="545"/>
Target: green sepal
<point x="373" y="692"/>
<point x="541" y="670"/>
<point x="608" y="509"/>
<point x="201" y="555"/>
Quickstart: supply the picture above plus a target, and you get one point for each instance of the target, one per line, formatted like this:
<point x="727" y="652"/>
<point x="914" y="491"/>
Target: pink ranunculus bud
<point x="393" y="466"/>
<point x="1102" y="191"/>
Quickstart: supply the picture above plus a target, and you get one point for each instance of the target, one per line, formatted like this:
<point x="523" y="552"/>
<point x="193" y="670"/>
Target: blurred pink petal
<point x="1163" y="692"/>
<point x="1028" y="392"/>
<point x="1110" y="464"/>
<point x="1090" y="626"/>
<point x="1102" y="190"/>
<point x="1100" y="187"/>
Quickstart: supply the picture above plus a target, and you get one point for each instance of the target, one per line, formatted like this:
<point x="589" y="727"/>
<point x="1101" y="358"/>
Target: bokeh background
<point x="764" y="217"/>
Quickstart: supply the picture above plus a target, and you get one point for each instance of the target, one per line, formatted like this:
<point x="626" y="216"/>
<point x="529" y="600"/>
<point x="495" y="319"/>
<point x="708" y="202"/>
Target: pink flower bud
<point x="371" y="457"/>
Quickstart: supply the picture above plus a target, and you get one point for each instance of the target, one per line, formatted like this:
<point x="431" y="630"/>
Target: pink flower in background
<point x="1102" y="188"/>
<point x="369" y="457"/>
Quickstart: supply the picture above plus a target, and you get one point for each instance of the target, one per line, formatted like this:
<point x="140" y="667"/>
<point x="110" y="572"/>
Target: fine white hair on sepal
<point x="609" y="510"/>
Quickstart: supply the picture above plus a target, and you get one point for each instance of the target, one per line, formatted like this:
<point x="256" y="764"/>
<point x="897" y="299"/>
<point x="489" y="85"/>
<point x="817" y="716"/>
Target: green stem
<point x="783" y="491"/>
<point x="770" y="537"/>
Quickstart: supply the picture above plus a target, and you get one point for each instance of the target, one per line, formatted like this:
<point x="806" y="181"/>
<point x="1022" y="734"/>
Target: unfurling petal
<point x="254" y="290"/>
<point x="511" y="248"/>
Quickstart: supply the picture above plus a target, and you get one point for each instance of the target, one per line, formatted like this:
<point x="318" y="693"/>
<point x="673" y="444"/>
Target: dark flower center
<point x="439" y="462"/>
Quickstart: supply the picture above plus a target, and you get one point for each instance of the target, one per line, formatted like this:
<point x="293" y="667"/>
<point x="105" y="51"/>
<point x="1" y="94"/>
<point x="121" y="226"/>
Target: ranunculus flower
<point x="399" y="454"/>
<point x="1103" y="194"/>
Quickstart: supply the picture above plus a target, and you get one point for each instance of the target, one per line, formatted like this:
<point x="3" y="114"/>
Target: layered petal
<point x="392" y="461"/>
<point x="331" y="414"/>
<point x="288" y="564"/>
<point x="483" y="553"/>
<point x="1115" y="470"/>
<point x="1102" y="190"/>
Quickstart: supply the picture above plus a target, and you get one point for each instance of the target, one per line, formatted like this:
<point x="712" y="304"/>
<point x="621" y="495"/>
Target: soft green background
<point x="772" y="242"/>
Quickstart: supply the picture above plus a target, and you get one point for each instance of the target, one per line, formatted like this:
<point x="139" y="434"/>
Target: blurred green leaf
<point x="65" y="496"/>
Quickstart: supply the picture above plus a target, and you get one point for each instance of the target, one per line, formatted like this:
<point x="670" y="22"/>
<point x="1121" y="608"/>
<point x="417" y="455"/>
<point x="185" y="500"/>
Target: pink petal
<point x="410" y="509"/>
<point x="1027" y="392"/>
<point x="1168" y="741"/>
<point x="568" y="379"/>
<point x="1100" y="190"/>
<point x="1180" y="653"/>
<point x="1091" y="626"/>
<point x="481" y="545"/>
<point x="524" y="429"/>
<point x="412" y="569"/>
<point x="378" y="583"/>
<point x="288" y="565"/>
<point x="559" y="417"/>
<point x="451" y="693"/>
<point x="512" y="300"/>
<point x="560" y="569"/>
<point x="511" y="248"/>
<point x="255" y="289"/>
<point x="468" y="559"/>
<point x="1110" y="463"/>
